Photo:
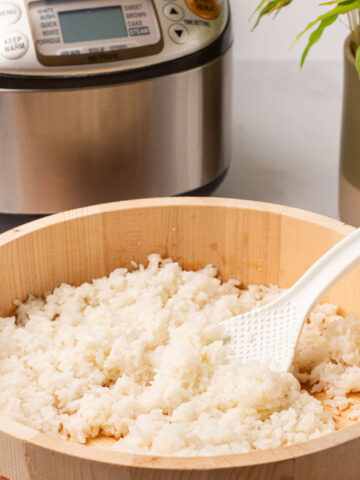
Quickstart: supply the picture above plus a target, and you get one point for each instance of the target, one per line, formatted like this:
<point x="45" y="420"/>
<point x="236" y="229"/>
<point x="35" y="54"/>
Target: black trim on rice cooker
<point x="197" y="59"/>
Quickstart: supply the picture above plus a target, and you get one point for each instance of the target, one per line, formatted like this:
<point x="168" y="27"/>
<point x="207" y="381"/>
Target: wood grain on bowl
<point x="255" y="242"/>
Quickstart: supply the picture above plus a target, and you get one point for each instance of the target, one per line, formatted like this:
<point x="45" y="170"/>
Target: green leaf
<point x="357" y="60"/>
<point x="259" y="7"/>
<point x="316" y="34"/>
<point x="333" y="2"/>
<point x="340" y="9"/>
<point x="270" y="7"/>
<point x="265" y="10"/>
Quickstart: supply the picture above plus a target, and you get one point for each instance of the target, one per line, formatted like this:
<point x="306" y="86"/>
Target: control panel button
<point x="178" y="33"/>
<point x="122" y="46"/>
<point x="9" y="13"/>
<point x="173" y="12"/>
<point x="13" y="45"/>
<point x="69" y="52"/>
<point x="208" y="9"/>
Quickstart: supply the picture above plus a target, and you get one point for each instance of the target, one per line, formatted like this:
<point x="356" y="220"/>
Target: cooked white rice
<point x="141" y="356"/>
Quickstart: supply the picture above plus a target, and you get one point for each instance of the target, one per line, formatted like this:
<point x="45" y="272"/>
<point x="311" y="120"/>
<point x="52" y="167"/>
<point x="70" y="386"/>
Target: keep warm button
<point x="13" y="45"/>
<point x="208" y="9"/>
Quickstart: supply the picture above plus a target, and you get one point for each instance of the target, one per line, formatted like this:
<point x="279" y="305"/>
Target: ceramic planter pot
<point x="349" y="178"/>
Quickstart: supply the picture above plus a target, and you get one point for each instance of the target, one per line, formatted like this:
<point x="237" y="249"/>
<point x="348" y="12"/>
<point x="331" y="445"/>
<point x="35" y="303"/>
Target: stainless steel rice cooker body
<point x="86" y="119"/>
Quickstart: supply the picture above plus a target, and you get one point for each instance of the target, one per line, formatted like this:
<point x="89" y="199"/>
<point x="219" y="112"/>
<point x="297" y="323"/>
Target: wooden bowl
<point x="255" y="242"/>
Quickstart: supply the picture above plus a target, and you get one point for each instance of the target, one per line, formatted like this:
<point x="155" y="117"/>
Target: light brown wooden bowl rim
<point x="96" y="454"/>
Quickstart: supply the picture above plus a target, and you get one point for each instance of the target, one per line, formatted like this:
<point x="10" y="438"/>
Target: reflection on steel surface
<point x="71" y="148"/>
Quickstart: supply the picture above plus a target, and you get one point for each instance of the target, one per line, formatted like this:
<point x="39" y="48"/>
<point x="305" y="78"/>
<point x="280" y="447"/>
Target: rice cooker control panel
<point x="73" y="37"/>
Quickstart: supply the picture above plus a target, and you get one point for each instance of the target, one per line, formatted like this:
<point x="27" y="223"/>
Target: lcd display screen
<point x="92" y="24"/>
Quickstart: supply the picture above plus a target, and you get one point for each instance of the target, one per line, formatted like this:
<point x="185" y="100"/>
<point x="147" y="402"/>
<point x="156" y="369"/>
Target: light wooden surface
<point x="257" y="243"/>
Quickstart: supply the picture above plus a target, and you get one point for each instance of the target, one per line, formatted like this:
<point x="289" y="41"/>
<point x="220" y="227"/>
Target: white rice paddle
<point x="270" y="333"/>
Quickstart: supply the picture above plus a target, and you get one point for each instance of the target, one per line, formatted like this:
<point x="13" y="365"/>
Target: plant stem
<point x="355" y="27"/>
<point x="350" y="19"/>
<point x="354" y="24"/>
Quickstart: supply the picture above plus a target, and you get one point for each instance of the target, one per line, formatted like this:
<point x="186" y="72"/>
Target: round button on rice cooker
<point x="13" y="45"/>
<point x="208" y="9"/>
<point x="178" y="33"/>
<point x="173" y="12"/>
<point x="9" y="13"/>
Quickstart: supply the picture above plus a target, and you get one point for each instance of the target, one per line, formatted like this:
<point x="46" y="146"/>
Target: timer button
<point x="173" y="12"/>
<point x="178" y="33"/>
<point x="9" y="13"/>
<point x="13" y="45"/>
<point x="208" y="9"/>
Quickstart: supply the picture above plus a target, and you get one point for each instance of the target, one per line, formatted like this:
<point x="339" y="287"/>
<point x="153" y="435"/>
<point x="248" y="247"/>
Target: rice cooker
<point x="104" y="100"/>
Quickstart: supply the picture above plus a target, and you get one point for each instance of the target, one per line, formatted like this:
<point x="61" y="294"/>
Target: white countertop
<point x="286" y="133"/>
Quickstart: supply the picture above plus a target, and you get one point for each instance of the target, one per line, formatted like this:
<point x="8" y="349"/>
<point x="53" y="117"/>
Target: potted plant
<point x="349" y="177"/>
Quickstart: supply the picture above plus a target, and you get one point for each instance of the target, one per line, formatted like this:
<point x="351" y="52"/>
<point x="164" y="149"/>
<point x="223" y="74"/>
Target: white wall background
<point x="272" y="38"/>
